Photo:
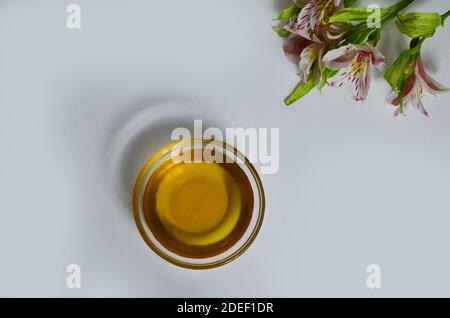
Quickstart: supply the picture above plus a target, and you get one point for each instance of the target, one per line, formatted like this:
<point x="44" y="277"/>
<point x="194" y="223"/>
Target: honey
<point x="198" y="209"/>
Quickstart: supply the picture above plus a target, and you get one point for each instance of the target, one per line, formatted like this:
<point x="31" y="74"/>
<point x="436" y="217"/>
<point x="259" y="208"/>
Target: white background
<point x="80" y="110"/>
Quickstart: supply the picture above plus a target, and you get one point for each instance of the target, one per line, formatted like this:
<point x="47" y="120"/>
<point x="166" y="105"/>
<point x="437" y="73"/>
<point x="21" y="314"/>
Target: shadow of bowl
<point x="137" y="134"/>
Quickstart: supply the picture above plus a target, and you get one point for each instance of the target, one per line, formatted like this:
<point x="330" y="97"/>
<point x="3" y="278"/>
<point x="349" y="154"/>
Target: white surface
<point x="355" y="186"/>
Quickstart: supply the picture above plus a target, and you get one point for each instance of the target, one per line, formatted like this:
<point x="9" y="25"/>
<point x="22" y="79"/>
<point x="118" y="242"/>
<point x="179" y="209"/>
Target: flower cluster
<point x="335" y="44"/>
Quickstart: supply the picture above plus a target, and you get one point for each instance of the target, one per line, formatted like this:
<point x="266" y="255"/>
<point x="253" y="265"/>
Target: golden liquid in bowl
<point x="198" y="210"/>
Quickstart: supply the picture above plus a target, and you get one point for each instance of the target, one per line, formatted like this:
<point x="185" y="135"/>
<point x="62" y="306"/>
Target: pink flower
<point x="304" y="53"/>
<point x="309" y="21"/>
<point x="418" y="85"/>
<point x="293" y="47"/>
<point x="354" y="63"/>
<point x="309" y="42"/>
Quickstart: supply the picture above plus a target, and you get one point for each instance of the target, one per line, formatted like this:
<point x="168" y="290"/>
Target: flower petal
<point x="359" y="78"/>
<point x="290" y="26"/>
<point x="397" y="111"/>
<point x="378" y="59"/>
<point x="331" y="7"/>
<point x="307" y="58"/>
<point x="337" y="31"/>
<point x="293" y="47"/>
<point x="340" y="78"/>
<point x="304" y="21"/>
<point x="341" y="57"/>
<point x="393" y="98"/>
<point x="416" y="100"/>
<point x="429" y="84"/>
<point x="320" y="56"/>
<point x="309" y="19"/>
<point x="421" y="106"/>
<point x="412" y="85"/>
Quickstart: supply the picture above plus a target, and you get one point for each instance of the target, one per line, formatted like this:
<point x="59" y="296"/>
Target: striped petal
<point x="360" y="77"/>
<point x="415" y="100"/>
<point x="356" y="75"/>
<point x="340" y="78"/>
<point x="307" y="59"/>
<point x="411" y="96"/>
<point x="378" y="59"/>
<point x="340" y="57"/>
<point x="305" y="20"/>
<point x="420" y="106"/>
<point x="310" y="18"/>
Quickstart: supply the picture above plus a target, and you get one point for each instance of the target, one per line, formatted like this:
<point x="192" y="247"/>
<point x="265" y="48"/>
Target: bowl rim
<point x="136" y="209"/>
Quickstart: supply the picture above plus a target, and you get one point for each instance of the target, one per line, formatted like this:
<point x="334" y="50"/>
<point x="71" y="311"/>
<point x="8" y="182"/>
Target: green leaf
<point x="375" y="37"/>
<point x="418" y="24"/>
<point x="281" y="32"/>
<point x="398" y="73"/>
<point x="288" y="13"/>
<point x="349" y="3"/>
<point x="301" y="90"/>
<point x="354" y="14"/>
<point x="362" y="32"/>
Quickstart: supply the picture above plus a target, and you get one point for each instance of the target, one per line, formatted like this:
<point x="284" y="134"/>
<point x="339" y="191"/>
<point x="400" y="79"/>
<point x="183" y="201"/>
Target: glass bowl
<point x="224" y="257"/>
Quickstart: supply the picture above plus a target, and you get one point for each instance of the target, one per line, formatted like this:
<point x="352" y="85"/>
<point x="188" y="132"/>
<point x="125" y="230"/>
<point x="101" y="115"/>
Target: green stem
<point x="394" y="10"/>
<point x="445" y="16"/>
<point x="349" y="3"/>
<point x="401" y="5"/>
